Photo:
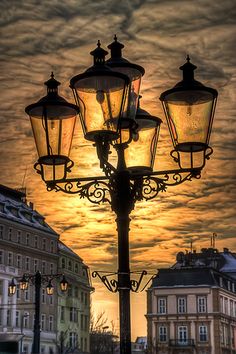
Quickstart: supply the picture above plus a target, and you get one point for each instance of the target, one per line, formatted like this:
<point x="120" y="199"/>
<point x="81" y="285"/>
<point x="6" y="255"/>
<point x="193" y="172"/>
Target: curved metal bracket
<point x="111" y="285"/>
<point x="96" y="191"/>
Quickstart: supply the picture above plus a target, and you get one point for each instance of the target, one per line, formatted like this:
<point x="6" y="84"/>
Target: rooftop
<point x="14" y="207"/>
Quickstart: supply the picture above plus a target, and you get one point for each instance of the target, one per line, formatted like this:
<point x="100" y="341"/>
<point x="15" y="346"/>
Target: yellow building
<point x="191" y="307"/>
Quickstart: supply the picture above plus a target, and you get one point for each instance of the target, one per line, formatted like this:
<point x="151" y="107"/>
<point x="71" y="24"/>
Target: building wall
<point x="27" y="245"/>
<point x="218" y="320"/>
<point x="24" y="249"/>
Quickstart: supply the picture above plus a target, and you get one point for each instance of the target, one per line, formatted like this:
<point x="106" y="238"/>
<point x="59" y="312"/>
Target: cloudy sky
<point x="38" y="37"/>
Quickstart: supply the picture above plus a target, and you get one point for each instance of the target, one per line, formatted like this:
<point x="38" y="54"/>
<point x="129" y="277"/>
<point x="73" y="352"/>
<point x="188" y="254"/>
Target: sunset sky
<point x="38" y="37"/>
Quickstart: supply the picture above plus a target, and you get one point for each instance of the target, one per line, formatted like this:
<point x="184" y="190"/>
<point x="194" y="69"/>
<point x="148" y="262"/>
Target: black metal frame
<point x="121" y="188"/>
<point x="37" y="280"/>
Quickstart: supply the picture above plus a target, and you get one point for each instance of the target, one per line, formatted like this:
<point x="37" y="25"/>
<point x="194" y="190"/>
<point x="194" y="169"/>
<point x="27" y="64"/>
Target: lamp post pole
<point x="36" y="337"/>
<point x="122" y="205"/>
<point x="106" y="97"/>
<point x="37" y="280"/>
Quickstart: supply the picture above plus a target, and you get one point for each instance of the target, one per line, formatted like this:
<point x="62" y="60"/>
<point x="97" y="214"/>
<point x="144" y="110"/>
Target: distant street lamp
<point x="37" y="280"/>
<point x="107" y="99"/>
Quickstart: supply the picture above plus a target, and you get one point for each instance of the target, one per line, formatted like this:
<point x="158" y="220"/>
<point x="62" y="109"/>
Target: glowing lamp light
<point x="189" y="108"/>
<point x="64" y="284"/>
<point x="100" y="94"/>
<point x="50" y="288"/>
<point x="140" y="154"/>
<point x="53" y="121"/>
<point x="24" y="283"/>
<point x="133" y="71"/>
<point x="12" y="288"/>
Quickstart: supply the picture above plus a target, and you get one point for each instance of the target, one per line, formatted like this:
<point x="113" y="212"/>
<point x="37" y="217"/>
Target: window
<point x="10" y="259"/>
<point x="1" y="257"/>
<point x="27" y="239"/>
<point x="18" y="291"/>
<point x="27" y="263"/>
<point x="203" y="333"/>
<point x="17" y="319"/>
<point x="19" y="236"/>
<point x="26" y="292"/>
<point x="36" y="241"/>
<point x="52" y="246"/>
<point x="76" y="268"/>
<point x="85" y="299"/>
<point x="26" y="320"/>
<point x="50" y="297"/>
<point x="36" y="265"/>
<point x="44" y="244"/>
<point x="201" y="304"/>
<point x="1" y="231"/>
<point x="43" y="322"/>
<point x="18" y="261"/>
<point x="63" y="263"/>
<point x="51" y="268"/>
<point x="9" y="233"/>
<point x="233" y="287"/>
<point x="161" y="305"/>
<point x="225" y="306"/>
<point x="8" y="317"/>
<point x="50" y="323"/>
<point x="43" y="296"/>
<point x="73" y="314"/>
<point x="43" y="267"/>
<point x="69" y="265"/>
<point x="182" y="335"/>
<point x="25" y="349"/>
<point x="181" y="305"/>
<point x="62" y="313"/>
<point x="162" y="334"/>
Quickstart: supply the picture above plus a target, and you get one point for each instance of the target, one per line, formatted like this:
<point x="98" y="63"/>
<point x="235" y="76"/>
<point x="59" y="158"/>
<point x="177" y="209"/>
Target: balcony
<point x="178" y="343"/>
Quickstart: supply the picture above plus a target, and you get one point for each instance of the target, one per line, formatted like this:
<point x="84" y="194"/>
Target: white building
<point x="192" y="306"/>
<point x="27" y="245"/>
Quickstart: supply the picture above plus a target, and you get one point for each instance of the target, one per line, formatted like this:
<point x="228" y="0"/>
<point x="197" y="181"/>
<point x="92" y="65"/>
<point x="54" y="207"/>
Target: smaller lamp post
<point x="37" y="280"/>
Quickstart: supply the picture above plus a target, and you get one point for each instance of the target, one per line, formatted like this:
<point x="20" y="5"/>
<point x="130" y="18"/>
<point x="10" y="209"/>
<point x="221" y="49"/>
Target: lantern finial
<point x="52" y="85"/>
<point x="188" y="70"/>
<point x="99" y="54"/>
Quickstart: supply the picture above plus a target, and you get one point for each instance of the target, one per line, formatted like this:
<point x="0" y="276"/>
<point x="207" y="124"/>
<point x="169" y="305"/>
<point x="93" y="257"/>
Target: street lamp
<point x="107" y="96"/>
<point x="37" y="280"/>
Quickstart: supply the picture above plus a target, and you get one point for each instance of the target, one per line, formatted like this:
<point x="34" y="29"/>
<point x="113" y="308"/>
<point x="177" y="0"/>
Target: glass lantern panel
<point x="131" y="101"/>
<point x="53" y="136"/>
<point x="140" y="154"/>
<point x="100" y="99"/>
<point x="189" y="114"/>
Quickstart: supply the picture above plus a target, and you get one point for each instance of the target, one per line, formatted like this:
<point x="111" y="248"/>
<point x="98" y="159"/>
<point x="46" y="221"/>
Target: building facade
<point x="27" y="245"/>
<point x="191" y="307"/>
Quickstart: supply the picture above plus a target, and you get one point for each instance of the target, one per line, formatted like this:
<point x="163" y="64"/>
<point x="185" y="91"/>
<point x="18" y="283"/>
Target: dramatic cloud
<point x="38" y="37"/>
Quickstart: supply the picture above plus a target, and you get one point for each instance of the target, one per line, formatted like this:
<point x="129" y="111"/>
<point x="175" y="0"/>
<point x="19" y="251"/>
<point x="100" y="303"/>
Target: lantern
<point x="100" y="94"/>
<point x="53" y="121"/>
<point x="64" y="284"/>
<point x="12" y="288"/>
<point x="189" y="108"/>
<point x="141" y="151"/>
<point x="24" y="283"/>
<point x="50" y="288"/>
<point x="133" y="71"/>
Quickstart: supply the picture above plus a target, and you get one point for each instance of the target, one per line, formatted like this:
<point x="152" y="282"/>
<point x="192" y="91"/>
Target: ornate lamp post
<point x="106" y="96"/>
<point x="37" y="280"/>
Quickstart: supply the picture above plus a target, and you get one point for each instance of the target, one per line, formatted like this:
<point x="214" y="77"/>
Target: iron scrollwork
<point x="96" y="191"/>
<point x="110" y="284"/>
